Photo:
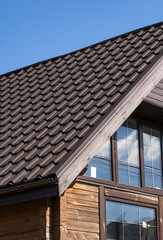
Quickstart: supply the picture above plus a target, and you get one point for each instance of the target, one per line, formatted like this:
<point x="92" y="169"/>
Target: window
<point x="133" y="156"/>
<point x="128" y="154"/>
<point x="100" y="165"/>
<point x="126" y="221"/>
<point x="152" y="157"/>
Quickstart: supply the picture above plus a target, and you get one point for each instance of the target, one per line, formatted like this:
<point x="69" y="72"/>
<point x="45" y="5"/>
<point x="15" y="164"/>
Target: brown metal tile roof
<point x="48" y="109"/>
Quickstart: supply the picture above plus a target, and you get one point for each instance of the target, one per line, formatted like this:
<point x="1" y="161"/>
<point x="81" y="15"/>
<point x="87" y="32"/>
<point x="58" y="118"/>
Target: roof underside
<point x="48" y="109"/>
<point x="156" y="95"/>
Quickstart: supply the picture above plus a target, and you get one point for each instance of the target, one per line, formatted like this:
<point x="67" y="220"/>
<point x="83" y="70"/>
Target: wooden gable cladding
<point x="79" y="213"/>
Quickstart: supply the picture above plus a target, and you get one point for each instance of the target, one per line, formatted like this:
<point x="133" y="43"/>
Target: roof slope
<point x="48" y="109"/>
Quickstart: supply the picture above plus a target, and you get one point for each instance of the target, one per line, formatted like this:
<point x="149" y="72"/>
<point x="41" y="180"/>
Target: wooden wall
<point x="26" y="221"/>
<point x="79" y="216"/>
<point x="73" y="216"/>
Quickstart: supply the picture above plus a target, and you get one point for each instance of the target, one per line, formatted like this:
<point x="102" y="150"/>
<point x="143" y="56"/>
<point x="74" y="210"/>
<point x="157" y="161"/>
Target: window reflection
<point x="152" y="157"/>
<point x="126" y="221"/>
<point x="128" y="154"/>
<point x="100" y="165"/>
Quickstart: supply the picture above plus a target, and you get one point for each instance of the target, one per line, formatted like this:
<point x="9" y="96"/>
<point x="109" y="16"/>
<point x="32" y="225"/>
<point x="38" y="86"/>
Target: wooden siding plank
<point x="86" y="187"/>
<point x="74" y="235"/>
<point x="82" y="226"/>
<point x="20" y="221"/>
<point x="132" y="196"/>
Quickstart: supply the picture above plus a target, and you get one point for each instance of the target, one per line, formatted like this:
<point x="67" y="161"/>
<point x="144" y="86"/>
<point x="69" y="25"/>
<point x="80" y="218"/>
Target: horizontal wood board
<point x="20" y="221"/>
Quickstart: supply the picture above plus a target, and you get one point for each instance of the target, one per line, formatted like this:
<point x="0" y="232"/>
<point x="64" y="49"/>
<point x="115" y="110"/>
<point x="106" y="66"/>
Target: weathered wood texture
<point x="46" y="219"/>
<point x="20" y="221"/>
<point x="135" y="197"/>
<point x="155" y="97"/>
<point x="79" y="213"/>
<point x="27" y="220"/>
<point x="161" y="218"/>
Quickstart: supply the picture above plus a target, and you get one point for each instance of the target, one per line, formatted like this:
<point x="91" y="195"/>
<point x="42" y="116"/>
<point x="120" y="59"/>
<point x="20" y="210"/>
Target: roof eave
<point x="29" y="191"/>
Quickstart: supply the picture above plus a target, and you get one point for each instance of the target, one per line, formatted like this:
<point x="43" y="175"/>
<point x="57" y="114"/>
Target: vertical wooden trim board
<point x="46" y="219"/>
<point x="161" y="217"/>
<point x="102" y="213"/>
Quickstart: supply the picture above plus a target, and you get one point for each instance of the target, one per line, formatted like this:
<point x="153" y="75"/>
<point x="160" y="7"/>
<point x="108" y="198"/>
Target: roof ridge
<point x="82" y="49"/>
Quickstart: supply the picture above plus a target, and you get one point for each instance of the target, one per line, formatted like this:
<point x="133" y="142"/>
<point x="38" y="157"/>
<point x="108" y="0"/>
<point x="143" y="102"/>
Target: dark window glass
<point x="130" y="222"/>
<point x="131" y="231"/>
<point x="114" y="230"/>
<point x="152" y="157"/>
<point x="128" y="154"/>
<point x="100" y="165"/>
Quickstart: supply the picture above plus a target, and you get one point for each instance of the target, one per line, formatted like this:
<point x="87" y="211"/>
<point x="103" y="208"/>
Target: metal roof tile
<point x="49" y="107"/>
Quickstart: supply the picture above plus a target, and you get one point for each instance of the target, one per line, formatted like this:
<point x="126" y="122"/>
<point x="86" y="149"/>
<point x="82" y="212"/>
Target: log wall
<point x="73" y="216"/>
<point x="79" y="218"/>
<point x="27" y="221"/>
<point x="19" y="221"/>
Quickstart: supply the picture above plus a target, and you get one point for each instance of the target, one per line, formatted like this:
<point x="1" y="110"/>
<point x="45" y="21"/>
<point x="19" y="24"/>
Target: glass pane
<point x="131" y="232"/>
<point x="133" y="153"/>
<point x="127" y="216"/>
<point x="157" y="179"/>
<point x="132" y="131"/>
<point x="114" y="231"/>
<point x="123" y="172"/>
<point x="128" y="154"/>
<point x="156" y="155"/>
<point x="146" y="136"/>
<point x="113" y="211"/>
<point x="147" y="216"/>
<point x="105" y="150"/>
<point x="155" y="139"/>
<point x="147" y="156"/>
<point x="122" y="149"/>
<point x="134" y="176"/>
<point x="148" y="177"/>
<point x="152" y="157"/>
<point x="100" y="165"/>
<point x="148" y="233"/>
<point x="122" y="131"/>
<point x="130" y="222"/>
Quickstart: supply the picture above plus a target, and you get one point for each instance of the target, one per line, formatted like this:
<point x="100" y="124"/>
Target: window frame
<point x="128" y="198"/>
<point x="114" y="158"/>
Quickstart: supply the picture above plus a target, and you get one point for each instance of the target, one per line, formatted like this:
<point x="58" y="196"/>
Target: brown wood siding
<point x="27" y="220"/>
<point x="79" y="217"/>
<point x="20" y="221"/>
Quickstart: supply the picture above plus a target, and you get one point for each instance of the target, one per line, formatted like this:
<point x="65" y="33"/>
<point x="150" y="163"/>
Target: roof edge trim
<point x="28" y="186"/>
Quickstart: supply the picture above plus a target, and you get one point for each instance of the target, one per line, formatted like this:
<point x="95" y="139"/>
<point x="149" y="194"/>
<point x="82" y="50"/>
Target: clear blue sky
<point x="35" y="30"/>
